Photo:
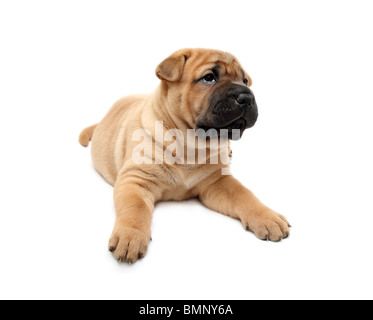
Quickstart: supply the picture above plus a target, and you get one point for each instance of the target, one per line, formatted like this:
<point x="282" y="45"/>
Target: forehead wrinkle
<point x="204" y="67"/>
<point x="228" y="63"/>
<point x="232" y="69"/>
<point x="237" y="70"/>
<point x="225" y="61"/>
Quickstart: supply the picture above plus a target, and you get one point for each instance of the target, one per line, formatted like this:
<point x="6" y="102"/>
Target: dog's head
<point x="208" y="89"/>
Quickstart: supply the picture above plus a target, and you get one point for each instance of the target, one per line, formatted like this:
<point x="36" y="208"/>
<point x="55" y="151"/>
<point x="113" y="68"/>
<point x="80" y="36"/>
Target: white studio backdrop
<point x="309" y="157"/>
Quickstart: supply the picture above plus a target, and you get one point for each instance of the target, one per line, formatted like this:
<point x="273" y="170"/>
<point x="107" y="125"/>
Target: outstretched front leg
<point x="228" y="196"/>
<point x="134" y="204"/>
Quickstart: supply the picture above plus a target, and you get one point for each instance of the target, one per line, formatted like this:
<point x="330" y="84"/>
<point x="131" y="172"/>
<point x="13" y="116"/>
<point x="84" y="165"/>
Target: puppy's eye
<point x="209" y="79"/>
<point x="245" y="81"/>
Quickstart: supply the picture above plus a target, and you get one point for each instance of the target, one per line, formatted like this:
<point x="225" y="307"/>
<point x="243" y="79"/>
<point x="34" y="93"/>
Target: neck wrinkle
<point x="169" y="122"/>
<point x="170" y="119"/>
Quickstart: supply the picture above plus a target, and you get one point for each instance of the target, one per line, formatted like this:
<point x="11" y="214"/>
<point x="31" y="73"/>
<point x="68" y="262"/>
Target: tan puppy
<point x="199" y="89"/>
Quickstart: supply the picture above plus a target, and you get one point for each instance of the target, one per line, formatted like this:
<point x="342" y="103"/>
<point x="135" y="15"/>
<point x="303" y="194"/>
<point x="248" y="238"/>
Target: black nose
<point x="244" y="99"/>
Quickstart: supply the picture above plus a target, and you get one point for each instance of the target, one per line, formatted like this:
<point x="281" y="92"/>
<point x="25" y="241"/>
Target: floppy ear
<point x="172" y="68"/>
<point x="250" y="81"/>
<point x="248" y="78"/>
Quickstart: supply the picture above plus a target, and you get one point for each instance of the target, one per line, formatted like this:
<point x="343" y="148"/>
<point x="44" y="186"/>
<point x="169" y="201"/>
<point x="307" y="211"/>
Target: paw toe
<point x="269" y="226"/>
<point x="128" y="245"/>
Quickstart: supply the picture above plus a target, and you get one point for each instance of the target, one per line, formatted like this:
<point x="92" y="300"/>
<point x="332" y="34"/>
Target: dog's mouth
<point x="232" y="131"/>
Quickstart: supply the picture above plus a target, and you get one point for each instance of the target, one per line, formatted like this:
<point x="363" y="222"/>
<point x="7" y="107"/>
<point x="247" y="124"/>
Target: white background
<point x="63" y="64"/>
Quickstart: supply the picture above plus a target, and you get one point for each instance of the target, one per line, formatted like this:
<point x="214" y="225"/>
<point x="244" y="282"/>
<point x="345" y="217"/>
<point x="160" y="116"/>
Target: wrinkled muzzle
<point x="232" y="109"/>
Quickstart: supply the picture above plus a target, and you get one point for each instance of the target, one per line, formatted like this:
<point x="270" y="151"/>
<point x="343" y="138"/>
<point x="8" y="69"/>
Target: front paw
<point x="128" y="244"/>
<point x="267" y="225"/>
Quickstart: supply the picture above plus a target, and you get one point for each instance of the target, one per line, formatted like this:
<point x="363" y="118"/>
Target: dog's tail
<point x="86" y="135"/>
